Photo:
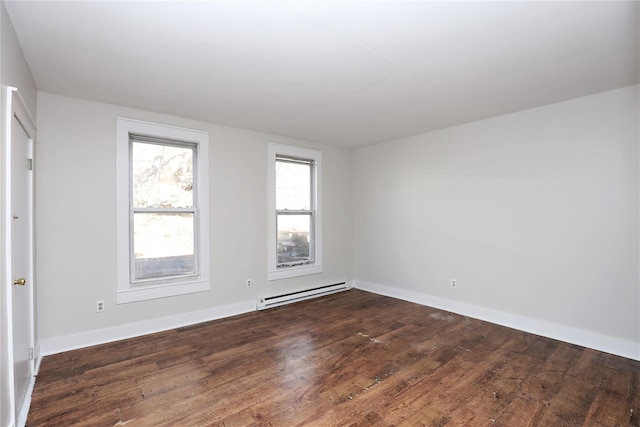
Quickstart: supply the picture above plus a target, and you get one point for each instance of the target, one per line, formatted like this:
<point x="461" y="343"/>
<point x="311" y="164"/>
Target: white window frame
<point x="315" y="267"/>
<point x="127" y="291"/>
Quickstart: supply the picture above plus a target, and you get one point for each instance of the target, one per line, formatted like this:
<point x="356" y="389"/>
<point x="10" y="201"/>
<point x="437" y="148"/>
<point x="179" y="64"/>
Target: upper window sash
<point x="133" y="139"/>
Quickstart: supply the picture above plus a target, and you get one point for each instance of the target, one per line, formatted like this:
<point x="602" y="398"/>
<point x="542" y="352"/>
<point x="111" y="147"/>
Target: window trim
<point x="315" y="267"/>
<point x="127" y="291"/>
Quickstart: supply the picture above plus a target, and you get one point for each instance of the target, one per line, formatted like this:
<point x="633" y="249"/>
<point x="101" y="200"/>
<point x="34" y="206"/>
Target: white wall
<point x="75" y="207"/>
<point x="535" y="214"/>
<point x="15" y="72"/>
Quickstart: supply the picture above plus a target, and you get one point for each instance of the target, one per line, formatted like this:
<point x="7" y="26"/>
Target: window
<point x="295" y="215"/>
<point x="162" y="214"/>
<point x="162" y="210"/>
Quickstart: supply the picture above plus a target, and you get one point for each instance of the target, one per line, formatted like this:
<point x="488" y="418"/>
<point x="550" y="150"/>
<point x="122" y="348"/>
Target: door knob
<point x="20" y="282"/>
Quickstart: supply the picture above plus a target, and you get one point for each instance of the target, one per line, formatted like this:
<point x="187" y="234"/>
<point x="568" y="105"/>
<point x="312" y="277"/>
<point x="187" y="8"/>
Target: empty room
<point x="323" y="213"/>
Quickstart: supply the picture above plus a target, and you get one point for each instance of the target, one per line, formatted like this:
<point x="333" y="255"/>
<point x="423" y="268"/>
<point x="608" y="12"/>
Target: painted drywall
<point x="535" y="214"/>
<point x="15" y="72"/>
<point x="76" y="219"/>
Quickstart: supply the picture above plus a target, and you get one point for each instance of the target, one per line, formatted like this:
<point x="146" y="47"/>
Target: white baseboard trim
<point x="581" y="337"/>
<point x="26" y="404"/>
<point x="130" y="330"/>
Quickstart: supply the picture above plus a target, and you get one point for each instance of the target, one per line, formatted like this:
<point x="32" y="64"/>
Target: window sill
<point x="147" y="292"/>
<point x="303" y="270"/>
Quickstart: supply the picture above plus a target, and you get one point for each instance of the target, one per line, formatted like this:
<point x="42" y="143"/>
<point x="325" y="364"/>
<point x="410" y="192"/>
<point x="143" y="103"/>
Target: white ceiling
<point x="348" y="73"/>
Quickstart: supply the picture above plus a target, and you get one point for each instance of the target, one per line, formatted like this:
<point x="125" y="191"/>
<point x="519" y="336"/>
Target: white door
<point x="21" y="260"/>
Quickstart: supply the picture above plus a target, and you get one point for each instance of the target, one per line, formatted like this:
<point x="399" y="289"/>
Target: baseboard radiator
<point x="276" y="301"/>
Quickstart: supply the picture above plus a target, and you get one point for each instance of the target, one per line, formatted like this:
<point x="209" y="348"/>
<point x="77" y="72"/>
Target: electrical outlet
<point x="248" y="283"/>
<point x="99" y="306"/>
<point x="453" y="283"/>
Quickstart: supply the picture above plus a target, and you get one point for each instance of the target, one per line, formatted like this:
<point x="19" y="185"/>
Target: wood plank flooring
<point x="349" y="359"/>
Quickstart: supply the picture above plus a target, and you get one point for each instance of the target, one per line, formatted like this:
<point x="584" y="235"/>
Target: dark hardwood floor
<point x="353" y="358"/>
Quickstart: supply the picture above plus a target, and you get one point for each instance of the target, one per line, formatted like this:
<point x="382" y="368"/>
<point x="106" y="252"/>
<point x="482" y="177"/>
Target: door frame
<point x="15" y="106"/>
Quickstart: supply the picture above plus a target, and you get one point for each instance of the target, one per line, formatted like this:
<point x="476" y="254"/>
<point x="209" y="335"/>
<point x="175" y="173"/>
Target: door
<point x="21" y="260"/>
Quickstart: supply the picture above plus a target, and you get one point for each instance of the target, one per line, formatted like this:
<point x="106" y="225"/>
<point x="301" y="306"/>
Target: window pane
<point x="294" y="238"/>
<point x="293" y="186"/>
<point x="162" y="176"/>
<point x="163" y="245"/>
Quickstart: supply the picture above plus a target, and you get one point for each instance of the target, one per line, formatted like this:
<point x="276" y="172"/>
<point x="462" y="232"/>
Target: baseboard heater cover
<point x="276" y="301"/>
